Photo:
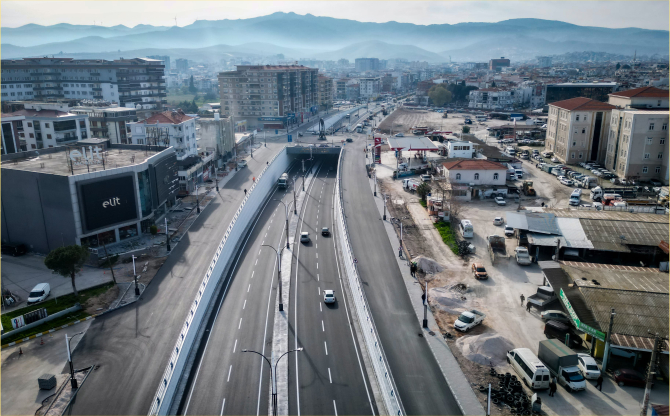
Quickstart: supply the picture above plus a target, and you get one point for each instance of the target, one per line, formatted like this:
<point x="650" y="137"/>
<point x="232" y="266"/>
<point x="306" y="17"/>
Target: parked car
<point x="555" y="316"/>
<point x="509" y="230"/>
<point x="559" y="330"/>
<point x="565" y="181"/>
<point x="399" y="135"/>
<point x="588" y="366"/>
<point x="242" y="164"/>
<point x="498" y="221"/>
<point x="500" y="201"/>
<point x="325" y="231"/>
<point x="39" y="293"/>
<point x="14" y="249"/>
<point x="629" y="377"/>
<point x="655" y="182"/>
<point x="304" y="237"/>
<point x="622" y="353"/>
<point x="554" y="159"/>
<point x="328" y="296"/>
<point x="349" y="140"/>
<point x="479" y="271"/>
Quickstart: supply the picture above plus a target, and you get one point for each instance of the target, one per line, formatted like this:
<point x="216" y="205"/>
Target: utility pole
<point x="137" y="289"/>
<point x="425" y="306"/>
<point x="650" y="375"/>
<point x="167" y="235"/>
<point x="295" y="206"/>
<point x="197" y="201"/>
<point x="606" y="355"/>
<point x="384" y="197"/>
<point x="216" y="177"/>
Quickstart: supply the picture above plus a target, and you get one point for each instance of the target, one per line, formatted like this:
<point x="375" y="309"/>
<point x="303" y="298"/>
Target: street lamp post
<point x="73" y="381"/>
<point x="375" y="173"/>
<point x="167" y="235"/>
<point x="286" y="208"/>
<point x="197" y="201"/>
<point x="384" y="197"/>
<point x="137" y="289"/>
<point x="295" y="204"/>
<point x="281" y="301"/>
<point x="273" y="374"/>
<point x="216" y="178"/>
<point x="425" y="306"/>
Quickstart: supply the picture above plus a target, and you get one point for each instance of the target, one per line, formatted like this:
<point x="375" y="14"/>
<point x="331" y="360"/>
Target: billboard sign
<point x="577" y="322"/>
<point x="92" y="157"/>
<point x="108" y="202"/>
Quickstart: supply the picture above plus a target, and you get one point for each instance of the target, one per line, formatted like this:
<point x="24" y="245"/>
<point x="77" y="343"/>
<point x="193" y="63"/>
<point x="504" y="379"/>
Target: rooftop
<point x="609" y="215"/>
<point x="473" y="164"/>
<point x="168" y="117"/>
<point x="584" y="84"/>
<point x="38" y="113"/>
<point x="58" y="162"/>
<point x="644" y="92"/>
<point x="582" y="104"/>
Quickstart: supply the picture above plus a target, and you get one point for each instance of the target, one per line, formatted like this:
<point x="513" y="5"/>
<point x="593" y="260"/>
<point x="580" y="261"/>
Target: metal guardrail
<point x="177" y="356"/>
<point x="374" y="347"/>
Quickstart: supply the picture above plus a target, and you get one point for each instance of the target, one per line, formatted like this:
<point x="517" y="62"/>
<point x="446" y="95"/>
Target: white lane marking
<point x="252" y="273"/>
<point x="266" y="235"/>
<point x="245" y="304"/>
<point x="324" y="345"/>
<point x="320" y="309"/>
<point x="221" y="303"/>
<point x="329" y="376"/>
<point x="323" y="328"/>
<point x="256" y="262"/>
<point x="249" y="288"/>
<point x="317" y="255"/>
<point x="230" y="370"/>
<point x="317" y="265"/>
<point x="319" y="291"/>
<point x="317" y="246"/>
<point x="259" y="251"/>
<point x="222" y="406"/>
<point x="335" y="406"/>
<point x="235" y="347"/>
<point x="317" y="277"/>
<point x="240" y="325"/>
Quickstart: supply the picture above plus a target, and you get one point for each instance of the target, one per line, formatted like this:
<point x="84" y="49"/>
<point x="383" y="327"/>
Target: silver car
<point x="554" y="315"/>
<point x="304" y="237"/>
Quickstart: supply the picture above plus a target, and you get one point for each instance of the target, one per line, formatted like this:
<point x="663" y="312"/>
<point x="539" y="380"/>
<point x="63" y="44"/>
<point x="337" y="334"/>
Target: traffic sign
<point x="290" y="138"/>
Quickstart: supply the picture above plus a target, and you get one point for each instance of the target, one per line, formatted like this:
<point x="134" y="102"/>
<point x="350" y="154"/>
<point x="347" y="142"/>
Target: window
<point x="32" y="136"/>
<point x="580" y="155"/>
<point x="577" y="118"/>
<point x="458" y="176"/>
<point x="48" y="136"/>
<point x="664" y="126"/>
<point x="46" y="125"/>
<point x="646" y="155"/>
<point x="476" y="176"/>
<point x="660" y="155"/>
<point x="662" y="141"/>
<point x="658" y="103"/>
<point x="651" y="126"/>
<point x="585" y="117"/>
<point x="574" y="143"/>
<point x="583" y="131"/>
<point x="645" y="169"/>
<point x="650" y="140"/>
<point x="495" y="176"/>
<point x="572" y="156"/>
<point x="658" y="169"/>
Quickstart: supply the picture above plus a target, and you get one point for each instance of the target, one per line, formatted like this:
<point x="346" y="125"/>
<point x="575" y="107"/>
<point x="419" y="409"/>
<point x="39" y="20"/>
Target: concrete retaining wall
<point x="242" y="220"/>
<point x="64" y="312"/>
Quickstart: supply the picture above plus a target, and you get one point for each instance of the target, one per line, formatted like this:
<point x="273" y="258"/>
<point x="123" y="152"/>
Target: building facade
<point x="109" y="122"/>
<point x="136" y="83"/>
<point x="269" y="96"/>
<point x="461" y="150"/>
<point x="475" y="172"/>
<point x="168" y="129"/>
<point x="181" y="65"/>
<point x="498" y="64"/>
<point x="598" y="91"/>
<point x="165" y="59"/>
<point x="325" y="95"/>
<point x="216" y="135"/>
<point x="491" y="98"/>
<point x="370" y="87"/>
<point x="577" y="130"/>
<point x="367" y="64"/>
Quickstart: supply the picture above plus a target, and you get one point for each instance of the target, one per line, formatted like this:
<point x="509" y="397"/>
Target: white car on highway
<point x="328" y="296"/>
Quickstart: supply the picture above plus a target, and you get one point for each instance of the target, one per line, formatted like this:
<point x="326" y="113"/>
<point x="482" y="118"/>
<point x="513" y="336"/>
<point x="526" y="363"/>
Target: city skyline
<point x="615" y="14"/>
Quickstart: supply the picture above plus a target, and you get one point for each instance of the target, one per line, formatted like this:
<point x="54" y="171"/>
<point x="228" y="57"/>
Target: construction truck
<point x="528" y="188"/>
<point x="496" y="247"/>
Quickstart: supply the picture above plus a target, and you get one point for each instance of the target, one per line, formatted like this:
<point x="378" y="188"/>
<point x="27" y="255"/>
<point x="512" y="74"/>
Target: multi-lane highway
<point x="421" y="385"/>
<point x="328" y="377"/>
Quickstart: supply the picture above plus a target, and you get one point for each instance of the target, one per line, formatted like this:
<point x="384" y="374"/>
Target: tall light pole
<point x="273" y="374"/>
<point x="281" y="300"/>
<point x="216" y="178"/>
<point x="295" y="204"/>
<point x="384" y="198"/>
<point x="375" y="175"/>
<point x="650" y="374"/>
<point x="167" y="235"/>
<point x="197" y="201"/>
<point x="425" y="306"/>
<point x="137" y="289"/>
<point x="286" y="208"/>
<point x="73" y="381"/>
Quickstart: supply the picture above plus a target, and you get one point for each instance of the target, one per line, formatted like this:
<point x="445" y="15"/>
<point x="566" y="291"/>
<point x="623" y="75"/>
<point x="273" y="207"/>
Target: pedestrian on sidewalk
<point x="599" y="382"/>
<point x="552" y="387"/>
<point x="245" y="191"/>
<point x="528" y="306"/>
<point x="522" y="299"/>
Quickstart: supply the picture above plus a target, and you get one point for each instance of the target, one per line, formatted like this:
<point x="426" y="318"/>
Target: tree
<point x="210" y="96"/>
<point x="618" y="65"/>
<point x="466" y="129"/>
<point x="66" y="261"/>
<point x="439" y="94"/>
<point x="423" y="190"/>
<point x="191" y="86"/>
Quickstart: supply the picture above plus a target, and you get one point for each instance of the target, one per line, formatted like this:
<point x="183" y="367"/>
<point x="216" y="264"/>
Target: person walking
<point x="528" y="306"/>
<point x="522" y="299"/>
<point x="245" y="191"/>
<point x="552" y="387"/>
<point x="599" y="382"/>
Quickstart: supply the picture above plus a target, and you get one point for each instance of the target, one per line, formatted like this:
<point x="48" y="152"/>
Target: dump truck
<point x="468" y="320"/>
<point x="496" y="246"/>
<point x="528" y="188"/>
<point x="562" y="363"/>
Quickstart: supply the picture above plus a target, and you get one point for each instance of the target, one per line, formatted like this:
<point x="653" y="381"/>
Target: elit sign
<point x="82" y="158"/>
<point x="108" y="202"/>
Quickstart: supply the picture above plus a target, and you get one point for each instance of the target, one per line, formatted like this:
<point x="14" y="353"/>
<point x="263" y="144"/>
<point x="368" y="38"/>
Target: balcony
<point x="97" y="89"/>
<point x="95" y="74"/>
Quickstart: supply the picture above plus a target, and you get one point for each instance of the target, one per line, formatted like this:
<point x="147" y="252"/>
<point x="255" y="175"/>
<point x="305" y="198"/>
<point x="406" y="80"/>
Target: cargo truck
<point x="496" y="246"/>
<point x="282" y="182"/>
<point x="597" y="193"/>
<point x="562" y="364"/>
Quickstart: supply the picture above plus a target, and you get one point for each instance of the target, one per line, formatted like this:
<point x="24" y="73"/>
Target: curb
<point x="11" y="344"/>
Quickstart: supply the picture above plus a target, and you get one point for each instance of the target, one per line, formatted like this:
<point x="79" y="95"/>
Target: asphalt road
<point x="225" y="380"/>
<point x="420" y="383"/>
<point x="328" y="376"/>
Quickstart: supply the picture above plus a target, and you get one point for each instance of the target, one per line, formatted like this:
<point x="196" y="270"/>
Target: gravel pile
<point x="486" y="349"/>
<point x="428" y="265"/>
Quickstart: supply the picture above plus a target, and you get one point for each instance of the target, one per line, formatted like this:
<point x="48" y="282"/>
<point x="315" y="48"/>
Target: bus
<point x="283" y="181"/>
<point x="359" y="128"/>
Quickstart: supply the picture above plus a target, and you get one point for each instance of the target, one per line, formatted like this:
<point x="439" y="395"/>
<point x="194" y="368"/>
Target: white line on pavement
<point x="230" y="370"/>
<point x="335" y="406"/>
<point x="249" y="288"/>
<point x="256" y="262"/>
<point x="245" y="304"/>
<point x="222" y="406"/>
<point x="240" y="325"/>
<point x="329" y="376"/>
<point x="252" y="273"/>
<point x="325" y="346"/>
<point x="323" y="328"/>
<point x="235" y="347"/>
<point x="320" y="309"/>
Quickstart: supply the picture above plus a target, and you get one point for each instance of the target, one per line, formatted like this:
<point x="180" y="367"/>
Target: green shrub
<point x="447" y="234"/>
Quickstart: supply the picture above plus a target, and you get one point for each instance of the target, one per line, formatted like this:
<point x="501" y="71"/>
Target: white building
<point x="458" y="149"/>
<point x="370" y="87"/>
<point x="491" y="99"/>
<point x="169" y="128"/>
<point x="475" y="172"/>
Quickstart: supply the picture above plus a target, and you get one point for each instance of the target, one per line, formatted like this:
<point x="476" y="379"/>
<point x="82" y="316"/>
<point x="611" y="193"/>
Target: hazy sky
<point x="614" y="14"/>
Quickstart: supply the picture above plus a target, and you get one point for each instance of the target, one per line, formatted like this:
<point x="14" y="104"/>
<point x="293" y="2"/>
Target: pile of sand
<point x="428" y="265"/>
<point x="486" y="349"/>
<point x="446" y="300"/>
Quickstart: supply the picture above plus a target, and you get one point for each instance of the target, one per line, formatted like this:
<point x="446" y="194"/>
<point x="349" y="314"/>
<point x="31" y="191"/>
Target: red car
<point x="628" y="377"/>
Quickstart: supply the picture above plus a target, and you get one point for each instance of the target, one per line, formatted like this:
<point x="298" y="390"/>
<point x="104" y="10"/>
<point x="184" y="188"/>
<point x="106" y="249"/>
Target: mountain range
<point x="307" y="36"/>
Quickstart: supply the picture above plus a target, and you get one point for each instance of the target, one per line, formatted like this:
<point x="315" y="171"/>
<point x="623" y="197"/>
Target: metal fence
<point x="374" y="347"/>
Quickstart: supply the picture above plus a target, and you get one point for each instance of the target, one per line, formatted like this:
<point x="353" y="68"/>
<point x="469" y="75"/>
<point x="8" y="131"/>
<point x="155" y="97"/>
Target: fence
<point x="374" y="347"/>
<point x="252" y="202"/>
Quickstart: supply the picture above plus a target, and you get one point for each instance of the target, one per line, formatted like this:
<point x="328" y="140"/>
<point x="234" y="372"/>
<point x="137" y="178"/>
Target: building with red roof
<point x="169" y="128"/>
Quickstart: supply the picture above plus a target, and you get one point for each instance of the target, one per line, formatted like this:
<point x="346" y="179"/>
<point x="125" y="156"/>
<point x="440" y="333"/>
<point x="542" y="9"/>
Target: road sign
<point x="290" y="138"/>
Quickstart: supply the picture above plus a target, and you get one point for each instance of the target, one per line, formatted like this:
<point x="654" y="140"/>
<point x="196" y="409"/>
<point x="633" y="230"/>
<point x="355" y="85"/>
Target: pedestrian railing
<point x="372" y="342"/>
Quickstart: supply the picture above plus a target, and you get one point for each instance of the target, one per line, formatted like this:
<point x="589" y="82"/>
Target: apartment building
<point x="367" y="64"/>
<point x="269" y="96"/>
<point x="136" y="83"/>
<point x="341" y="88"/>
<point x="370" y="87"/>
<point x="498" y="64"/>
<point x="637" y="145"/>
<point x="544" y="61"/>
<point x="491" y="98"/>
<point x="43" y="125"/>
<point x="165" y="59"/>
<point x="566" y="90"/>
<point x="182" y="65"/>
<point x="168" y="129"/>
<point x="577" y="130"/>
<point x="325" y="94"/>
<point x="109" y="122"/>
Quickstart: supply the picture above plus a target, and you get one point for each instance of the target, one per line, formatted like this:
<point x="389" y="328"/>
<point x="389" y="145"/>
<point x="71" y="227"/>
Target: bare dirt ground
<point x="102" y="302"/>
<point x="402" y="120"/>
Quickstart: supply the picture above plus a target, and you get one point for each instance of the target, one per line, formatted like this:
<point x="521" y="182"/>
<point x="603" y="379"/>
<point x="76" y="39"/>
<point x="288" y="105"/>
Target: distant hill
<point x="328" y="38"/>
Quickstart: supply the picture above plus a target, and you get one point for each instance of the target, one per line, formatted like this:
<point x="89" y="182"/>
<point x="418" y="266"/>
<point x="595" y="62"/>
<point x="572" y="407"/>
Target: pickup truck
<point x="496" y="246"/>
<point x="522" y="256"/>
<point x="468" y="320"/>
<point x="544" y="295"/>
<point x="562" y="363"/>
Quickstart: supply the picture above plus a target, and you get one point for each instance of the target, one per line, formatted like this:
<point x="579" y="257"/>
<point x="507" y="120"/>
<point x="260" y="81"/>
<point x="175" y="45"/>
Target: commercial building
<point x="577" y="130"/>
<point x="457" y="149"/>
<point x="367" y="64"/>
<point x="544" y="61"/>
<point x="491" y="98"/>
<point x="44" y="125"/>
<point x="341" y="88"/>
<point x="269" y="96"/>
<point x="165" y="59"/>
<point x="86" y="194"/>
<point x="637" y="145"/>
<point x="598" y="91"/>
<point x="109" y="122"/>
<point x="182" y="65"/>
<point x="325" y="95"/>
<point x="370" y="87"/>
<point x="498" y="64"/>
<point x="169" y="128"/>
<point x="136" y="83"/>
<point x="216" y="135"/>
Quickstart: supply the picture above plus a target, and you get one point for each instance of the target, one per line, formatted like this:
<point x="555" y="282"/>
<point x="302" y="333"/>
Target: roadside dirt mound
<point x="428" y="265"/>
<point x="486" y="349"/>
<point x="448" y="300"/>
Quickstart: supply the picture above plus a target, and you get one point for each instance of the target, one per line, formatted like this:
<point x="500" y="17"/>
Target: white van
<point x="575" y="197"/>
<point x="465" y="228"/>
<point x="531" y="370"/>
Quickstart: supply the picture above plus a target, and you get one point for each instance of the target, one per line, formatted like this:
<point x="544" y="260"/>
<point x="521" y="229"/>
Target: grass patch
<point x="54" y="305"/>
<point x="447" y="234"/>
<point x="81" y="314"/>
<point x="423" y="203"/>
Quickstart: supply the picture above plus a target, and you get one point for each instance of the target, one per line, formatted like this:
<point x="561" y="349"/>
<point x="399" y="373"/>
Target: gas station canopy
<point x="412" y="143"/>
